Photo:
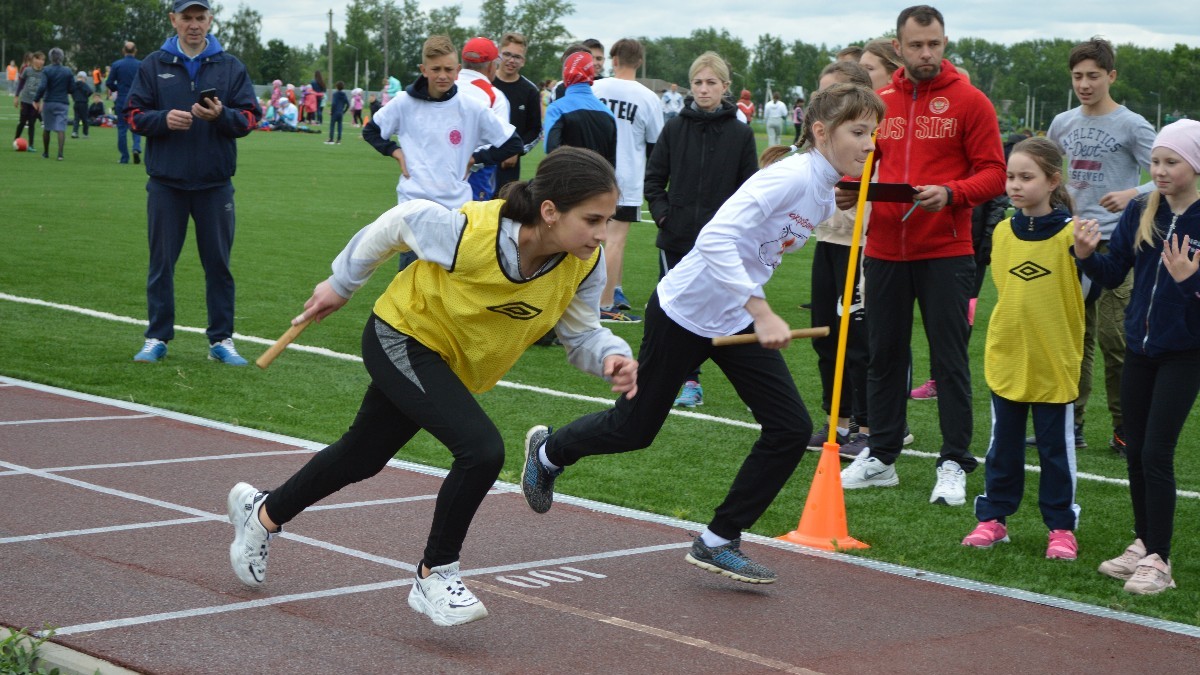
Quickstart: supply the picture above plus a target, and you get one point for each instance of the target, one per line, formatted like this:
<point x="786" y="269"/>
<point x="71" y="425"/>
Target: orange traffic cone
<point x="823" y="523"/>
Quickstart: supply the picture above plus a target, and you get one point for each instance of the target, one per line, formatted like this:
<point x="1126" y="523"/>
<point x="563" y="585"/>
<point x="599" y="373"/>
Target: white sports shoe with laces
<point x="248" y="552"/>
<point x="951" y="486"/>
<point x="444" y="598"/>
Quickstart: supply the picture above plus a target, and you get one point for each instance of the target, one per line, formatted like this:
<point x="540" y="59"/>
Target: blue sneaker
<point x="729" y="561"/>
<point x="537" y="482"/>
<point x="691" y="395"/>
<point x="226" y="353"/>
<point x="152" y="352"/>
<point x="619" y="299"/>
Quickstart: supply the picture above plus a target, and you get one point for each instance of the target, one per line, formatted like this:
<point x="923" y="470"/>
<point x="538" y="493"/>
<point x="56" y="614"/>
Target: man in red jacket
<point x="940" y="136"/>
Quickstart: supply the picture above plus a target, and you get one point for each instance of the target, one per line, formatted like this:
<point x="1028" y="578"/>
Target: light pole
<point x="1158" y="121"/>
<point x="1028" y="123"/>
<point x="355" y="62"/>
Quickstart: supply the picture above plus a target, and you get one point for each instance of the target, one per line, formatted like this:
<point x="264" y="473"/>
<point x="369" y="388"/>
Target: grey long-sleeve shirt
<point x="1105" y="153"/>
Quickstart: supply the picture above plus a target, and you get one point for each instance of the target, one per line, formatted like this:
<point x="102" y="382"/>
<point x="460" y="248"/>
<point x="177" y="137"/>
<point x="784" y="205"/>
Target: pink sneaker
<point x="1062" y="545"/>
<point x="925" y="392"/>
<point x="987" y="534"/>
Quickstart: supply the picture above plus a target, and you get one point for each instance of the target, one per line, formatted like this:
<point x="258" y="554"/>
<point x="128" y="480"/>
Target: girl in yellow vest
<point x="491" y="278"/>
<point x="1033" y="353"/>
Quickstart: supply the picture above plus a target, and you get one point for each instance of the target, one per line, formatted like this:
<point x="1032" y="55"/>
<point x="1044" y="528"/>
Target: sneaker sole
<point x="688" y="405"/>
<point x="1005" y="540"/>
<point x="420" y="605"/>
<point x="724" y="572"/>
<point x="233" y="505"/>
<point x="887" y="482"/>
<point x="947" y="502"/>
<point x="1115" y="573"/>
<point x="524" y="467"/>
<point x="619" y="321"/>
<point x="1149" y="591"/>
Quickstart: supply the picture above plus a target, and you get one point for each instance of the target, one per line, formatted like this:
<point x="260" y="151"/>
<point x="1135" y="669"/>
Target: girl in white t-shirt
<point x="717" y="290"/>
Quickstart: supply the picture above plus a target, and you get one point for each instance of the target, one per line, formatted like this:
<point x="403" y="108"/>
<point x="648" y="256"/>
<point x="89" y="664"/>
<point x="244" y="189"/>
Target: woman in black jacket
<point x="702" y="157"/>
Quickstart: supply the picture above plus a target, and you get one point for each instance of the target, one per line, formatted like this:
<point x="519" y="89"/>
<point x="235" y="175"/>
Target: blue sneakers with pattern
<point x="537" y="482"/>
<point x="152" y="352"/>
<point x="691" y="395"/>
<point x="226" y="353"/>
<point x="619" y="299"/>
<point x="729" y="561"/>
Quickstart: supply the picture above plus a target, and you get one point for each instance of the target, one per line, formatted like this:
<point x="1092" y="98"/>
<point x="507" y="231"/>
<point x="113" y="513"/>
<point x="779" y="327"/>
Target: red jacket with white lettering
<point x="940" y="132"/>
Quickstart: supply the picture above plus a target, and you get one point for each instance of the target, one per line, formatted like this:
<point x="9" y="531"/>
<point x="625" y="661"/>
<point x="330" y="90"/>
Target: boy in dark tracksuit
<point x="191" y="155"/>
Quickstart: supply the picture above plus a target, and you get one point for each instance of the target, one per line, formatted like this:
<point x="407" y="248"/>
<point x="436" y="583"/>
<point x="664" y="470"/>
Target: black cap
<point x="181" y="5"/>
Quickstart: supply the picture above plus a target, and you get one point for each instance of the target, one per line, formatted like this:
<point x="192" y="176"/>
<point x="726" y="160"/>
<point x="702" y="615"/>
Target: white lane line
<point x="187" y="521"/>
<point x="176" y="460"/>
<point x="204" y="515"/>
<point x="332" y="592"/>
<point x="99" y="530"/>
<point x="222" y="609"/>
<point x="56" y="420"/>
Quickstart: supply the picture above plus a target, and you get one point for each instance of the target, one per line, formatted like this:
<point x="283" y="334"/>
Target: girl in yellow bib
<point x="491" y="278"/>
<point x="1033" y="353"/>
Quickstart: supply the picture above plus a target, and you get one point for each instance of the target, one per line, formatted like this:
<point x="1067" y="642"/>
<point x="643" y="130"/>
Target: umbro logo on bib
<point x="516" y="310"/>
<point x="166" y="76"/>
<point x="1028" y="271"/>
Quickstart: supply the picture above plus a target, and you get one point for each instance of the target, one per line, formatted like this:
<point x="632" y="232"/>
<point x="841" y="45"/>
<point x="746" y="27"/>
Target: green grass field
<point x="74" y="232"/>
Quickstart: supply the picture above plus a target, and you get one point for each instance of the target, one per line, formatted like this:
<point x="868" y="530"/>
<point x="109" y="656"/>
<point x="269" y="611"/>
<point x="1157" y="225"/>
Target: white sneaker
<point x="248" y="552"/>
<point x="1153" y="576"/>
<point x="1123" y="566"/>
<point x="867" y="471"/>
<point x="951" y="487"/>
<point x="444" y="598"/>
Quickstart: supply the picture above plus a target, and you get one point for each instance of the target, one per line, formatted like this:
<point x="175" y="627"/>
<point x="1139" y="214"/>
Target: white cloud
<point x="1149" y="23"/>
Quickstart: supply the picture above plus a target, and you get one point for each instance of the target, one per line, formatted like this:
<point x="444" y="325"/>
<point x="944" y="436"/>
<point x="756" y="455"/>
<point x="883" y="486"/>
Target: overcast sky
<point x="1148" y="23"/>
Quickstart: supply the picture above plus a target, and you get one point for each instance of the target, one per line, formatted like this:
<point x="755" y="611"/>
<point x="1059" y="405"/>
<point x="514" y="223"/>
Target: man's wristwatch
<point x="949" y="195"/>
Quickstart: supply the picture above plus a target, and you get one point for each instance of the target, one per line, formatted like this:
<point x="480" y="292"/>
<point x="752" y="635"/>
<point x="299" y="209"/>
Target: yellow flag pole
<point x="823" y="523"/>
<point x="848" y="293"/>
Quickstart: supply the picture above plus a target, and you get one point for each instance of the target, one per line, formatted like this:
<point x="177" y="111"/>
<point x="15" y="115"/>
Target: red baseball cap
<point x="479" y="50"/>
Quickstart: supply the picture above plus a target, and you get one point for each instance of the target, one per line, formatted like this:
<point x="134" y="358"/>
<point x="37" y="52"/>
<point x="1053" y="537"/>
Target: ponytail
<point x="518" y="202"/>
<point x="774" y="154"/>
<point x="567" y="177"/>
<point x="1147" y="231"/>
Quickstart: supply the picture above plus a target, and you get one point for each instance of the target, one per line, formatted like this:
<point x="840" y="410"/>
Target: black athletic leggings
<point x="761" y="379"/>
<point x="411" y="389"/>
<point x="29" y="116"/>
<point x="1157" y="394"/>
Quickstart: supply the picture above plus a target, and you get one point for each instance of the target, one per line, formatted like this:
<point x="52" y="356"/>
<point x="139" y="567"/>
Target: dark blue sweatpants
<point x="1004" y="473"/>
<point x="168" y="210"/>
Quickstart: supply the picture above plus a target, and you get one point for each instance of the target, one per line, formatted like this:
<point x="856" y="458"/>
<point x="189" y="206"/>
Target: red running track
<point x="112" y="528"/>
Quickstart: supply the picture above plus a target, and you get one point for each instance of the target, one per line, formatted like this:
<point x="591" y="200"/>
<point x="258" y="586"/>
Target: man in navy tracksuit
<point x="191" y="155"/>
<point x="120" y="79"/>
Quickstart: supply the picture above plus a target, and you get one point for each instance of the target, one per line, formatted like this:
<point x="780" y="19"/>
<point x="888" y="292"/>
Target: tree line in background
<point x="1157" y="83"/>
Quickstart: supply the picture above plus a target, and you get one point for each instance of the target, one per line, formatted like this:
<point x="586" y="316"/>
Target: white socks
<point x="545" y="460"/>
<point x="711" y="540"/>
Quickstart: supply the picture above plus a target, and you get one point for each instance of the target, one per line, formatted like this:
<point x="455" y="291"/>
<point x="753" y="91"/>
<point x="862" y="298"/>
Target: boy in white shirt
<point x="438" y="131"/>
<point x="639" y="122"/>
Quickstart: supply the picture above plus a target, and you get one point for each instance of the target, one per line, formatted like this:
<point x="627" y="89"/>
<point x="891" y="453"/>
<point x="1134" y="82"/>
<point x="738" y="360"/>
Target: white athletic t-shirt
<point x="775" y="109"/>
<point x="774" y="212"/>
<point x="639" y="121"/>
<point x="438" y="138"/>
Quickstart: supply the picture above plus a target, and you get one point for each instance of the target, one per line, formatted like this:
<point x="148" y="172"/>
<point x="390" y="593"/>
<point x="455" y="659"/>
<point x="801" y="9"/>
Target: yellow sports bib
<point x="1035" y="335"/>
<point x="477" y="317"/>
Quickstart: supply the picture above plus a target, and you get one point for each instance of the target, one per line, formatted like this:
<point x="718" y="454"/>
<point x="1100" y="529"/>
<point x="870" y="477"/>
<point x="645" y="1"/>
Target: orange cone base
<point x="823" y="543"/>
<point x="823" y="524"/>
